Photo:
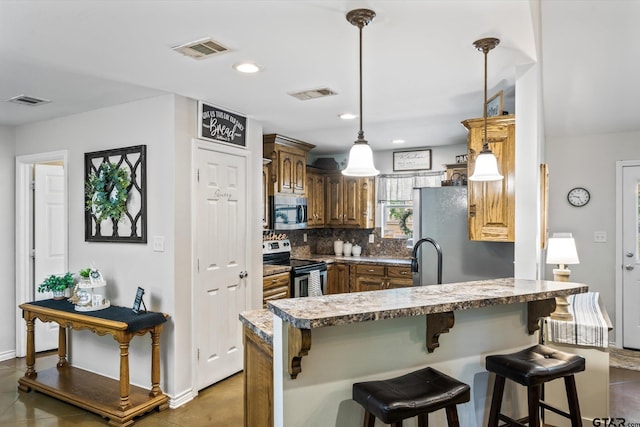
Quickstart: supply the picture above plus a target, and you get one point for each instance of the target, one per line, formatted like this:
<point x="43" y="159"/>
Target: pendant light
<point x="486" y="164"/>
<point x="360" y="156"/>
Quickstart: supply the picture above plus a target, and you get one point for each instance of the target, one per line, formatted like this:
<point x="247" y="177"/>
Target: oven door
<point x="302" y="283"/>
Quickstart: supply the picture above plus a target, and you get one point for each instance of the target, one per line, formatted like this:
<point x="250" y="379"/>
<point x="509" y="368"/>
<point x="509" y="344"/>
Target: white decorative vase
<point x="337" y="247"/>
<point x="356" y="250"/>
<point x="346" y="249"/>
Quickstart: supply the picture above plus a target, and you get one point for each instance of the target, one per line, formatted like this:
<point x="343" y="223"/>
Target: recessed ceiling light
<point x="398" y="141"/>
<point x="347" y="116"/>
<point x="247" y="67"/>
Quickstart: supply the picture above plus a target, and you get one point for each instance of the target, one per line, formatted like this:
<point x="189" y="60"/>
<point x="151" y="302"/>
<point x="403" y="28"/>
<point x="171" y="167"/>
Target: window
<point x="397" y="219"/>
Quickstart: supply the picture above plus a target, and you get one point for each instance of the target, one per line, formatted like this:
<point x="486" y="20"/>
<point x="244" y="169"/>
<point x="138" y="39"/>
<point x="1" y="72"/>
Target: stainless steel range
<point x="278" y="252"/>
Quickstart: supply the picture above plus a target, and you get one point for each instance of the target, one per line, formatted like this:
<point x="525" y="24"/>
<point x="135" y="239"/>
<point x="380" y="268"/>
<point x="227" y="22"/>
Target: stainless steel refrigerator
<point x="441" y="214"/>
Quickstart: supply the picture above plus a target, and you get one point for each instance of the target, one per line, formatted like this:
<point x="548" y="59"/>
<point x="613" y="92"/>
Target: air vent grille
<point x="201" y="49"/>
<point x="313" y="93"/>
<point x="31" y="101"/>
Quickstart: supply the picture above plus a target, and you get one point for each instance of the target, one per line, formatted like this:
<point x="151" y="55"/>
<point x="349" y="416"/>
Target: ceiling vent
<point x="31" y="101"/>
<point x="313" y="93"/>
<point x="201" y="49"/>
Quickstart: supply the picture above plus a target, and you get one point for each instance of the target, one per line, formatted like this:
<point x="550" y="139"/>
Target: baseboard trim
<point x="11" y="354"/>
<point x="182" y="399"/>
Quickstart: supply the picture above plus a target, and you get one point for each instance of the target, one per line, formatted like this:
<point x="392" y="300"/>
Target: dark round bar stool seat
<point x="532" y="367"/>
<point x="417" y="393"/>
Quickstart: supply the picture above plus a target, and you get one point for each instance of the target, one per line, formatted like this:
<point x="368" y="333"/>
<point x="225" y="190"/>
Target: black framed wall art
<point x="115" y="183"/>
<point x="218" y="125"/>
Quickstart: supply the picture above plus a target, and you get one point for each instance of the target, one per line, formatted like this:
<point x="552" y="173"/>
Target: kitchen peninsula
<point x="322" y="345"/>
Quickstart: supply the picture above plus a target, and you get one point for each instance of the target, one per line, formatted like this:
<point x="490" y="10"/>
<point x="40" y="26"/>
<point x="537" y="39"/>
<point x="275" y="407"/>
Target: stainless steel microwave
<point x="288" y="212"/>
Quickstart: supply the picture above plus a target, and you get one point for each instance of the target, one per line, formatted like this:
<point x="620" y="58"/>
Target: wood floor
<point x="218" y="405"/>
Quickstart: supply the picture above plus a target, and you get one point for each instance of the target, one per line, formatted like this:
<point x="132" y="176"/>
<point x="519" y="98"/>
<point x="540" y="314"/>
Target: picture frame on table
<point x="412" y="160"/>
<point x="495" y="105"/>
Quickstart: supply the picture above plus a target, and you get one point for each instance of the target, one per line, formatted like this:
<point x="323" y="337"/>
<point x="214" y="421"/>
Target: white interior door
<point x="221" y="252"/>
<point x="49" y="230"/>
<point x="631" y="256"/>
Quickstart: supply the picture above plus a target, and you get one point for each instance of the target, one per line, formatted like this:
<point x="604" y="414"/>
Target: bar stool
<point x="532" y="367"/>
<point x="414" y="394"/>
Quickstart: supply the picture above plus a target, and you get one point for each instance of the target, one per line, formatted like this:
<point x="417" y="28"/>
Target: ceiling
<point x="421" y="74"/>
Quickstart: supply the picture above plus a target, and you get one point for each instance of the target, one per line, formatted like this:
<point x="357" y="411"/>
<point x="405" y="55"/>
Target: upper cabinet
<point x="315" y="198"/>
<point x="349" y="201"/>
<point x="491" y="209"/>
<point x="288" y="166"/>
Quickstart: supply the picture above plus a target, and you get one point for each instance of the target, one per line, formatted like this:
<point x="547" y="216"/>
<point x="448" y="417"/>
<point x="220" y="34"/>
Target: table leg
<point x="62" y="347"/>
<point x="155" y="361"/>
<point x="31" y="348"/>
<point x="124" y="374"/>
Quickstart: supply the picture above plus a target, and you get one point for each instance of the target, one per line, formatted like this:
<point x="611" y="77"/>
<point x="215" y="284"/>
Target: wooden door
<point x="265" y="196"/>
<point x="221" y="259"/>
<point x="351" y="207"/>
<point x="492" y="204"/>
<point x="286" y="178"/>
<point x="315" y="195"/>
<point x="630" y="256"/>
<point x="367" y="202"/>
<point x="49" y="229"/>
<point x="299" y="173"/>
<point x="334" y="200"/>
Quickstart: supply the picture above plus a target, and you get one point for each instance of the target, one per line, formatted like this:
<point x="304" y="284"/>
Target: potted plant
<point x="85" y="274"/>
<point x="56" y="284"/>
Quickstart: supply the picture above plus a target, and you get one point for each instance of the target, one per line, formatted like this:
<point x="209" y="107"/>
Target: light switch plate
<point x="372" y="238"/>
<point x="304" y="237"/>
<point x="158" y="243"/>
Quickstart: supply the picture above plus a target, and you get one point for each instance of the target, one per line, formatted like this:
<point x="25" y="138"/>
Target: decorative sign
<point x="494" y="105"/>
<point x="412" y="160"/>
<point x="138" y="300"/>
<point x="219" y="125"/>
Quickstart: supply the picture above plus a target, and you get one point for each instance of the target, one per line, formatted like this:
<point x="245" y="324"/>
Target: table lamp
<point x="561" y="250"/>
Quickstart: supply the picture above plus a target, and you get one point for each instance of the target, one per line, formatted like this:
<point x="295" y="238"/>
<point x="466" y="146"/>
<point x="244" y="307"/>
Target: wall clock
<point x="578" y="196"/>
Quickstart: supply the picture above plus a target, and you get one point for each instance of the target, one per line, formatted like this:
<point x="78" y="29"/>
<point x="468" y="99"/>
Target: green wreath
<point x="107" y="192"/>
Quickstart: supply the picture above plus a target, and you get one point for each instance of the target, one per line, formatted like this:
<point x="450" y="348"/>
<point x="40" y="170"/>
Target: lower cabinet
<point x="258" y="381"/>
<point x="375" y="277"/>
<point x="275" y="286"/>
<point x="337" y="279"/>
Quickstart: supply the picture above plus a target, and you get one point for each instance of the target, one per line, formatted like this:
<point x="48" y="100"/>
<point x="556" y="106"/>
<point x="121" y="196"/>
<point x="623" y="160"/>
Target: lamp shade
<point x="561" y="250"/>
<point x="486" y="168"/>
<point x="360" y="161"/>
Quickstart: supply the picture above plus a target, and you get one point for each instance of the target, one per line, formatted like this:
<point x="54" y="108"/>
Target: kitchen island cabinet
<point x="322" y="345"/>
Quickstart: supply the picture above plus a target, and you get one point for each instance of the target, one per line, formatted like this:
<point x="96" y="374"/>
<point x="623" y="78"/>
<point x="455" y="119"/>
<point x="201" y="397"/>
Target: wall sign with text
<point x="412" y="160"/>
<point x="215" y="124"/>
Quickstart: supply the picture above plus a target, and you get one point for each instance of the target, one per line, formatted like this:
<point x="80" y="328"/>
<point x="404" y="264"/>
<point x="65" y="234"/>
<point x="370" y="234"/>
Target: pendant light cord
<point x="485" y="142"/>
<point x="361" y="132"/>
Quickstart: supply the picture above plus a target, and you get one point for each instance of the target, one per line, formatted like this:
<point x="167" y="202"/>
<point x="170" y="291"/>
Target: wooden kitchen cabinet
<point x="315" y="198"/>
<point x="337" y="279"/>
<point x="275" y="286"/>
<point x="349" y="201"/>
<point x="258" y="380"/>
<point x="287" y="170"/>
<point x="491" y="208"/>
<point x="375" y="277"/>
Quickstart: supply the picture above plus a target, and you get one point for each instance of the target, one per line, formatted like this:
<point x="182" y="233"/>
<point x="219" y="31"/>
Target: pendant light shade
<point x="486" y="164"/>
<point x="360" y="156"/>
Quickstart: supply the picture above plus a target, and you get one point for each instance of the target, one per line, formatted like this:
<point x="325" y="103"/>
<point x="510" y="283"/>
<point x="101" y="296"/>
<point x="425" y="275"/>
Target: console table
<point x="116" y="400"/>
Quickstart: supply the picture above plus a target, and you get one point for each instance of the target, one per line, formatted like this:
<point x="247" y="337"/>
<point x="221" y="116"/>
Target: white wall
<point x="125" y="266"/>
<point x="589" y="161"/>
<point x="7" y="246"/>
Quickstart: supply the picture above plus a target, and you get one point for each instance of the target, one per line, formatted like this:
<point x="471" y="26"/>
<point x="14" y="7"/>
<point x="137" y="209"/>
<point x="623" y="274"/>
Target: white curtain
<point x="399" y="187"/>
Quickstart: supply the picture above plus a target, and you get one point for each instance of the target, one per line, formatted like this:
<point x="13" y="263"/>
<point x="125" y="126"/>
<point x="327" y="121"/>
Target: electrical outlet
<point x="372" y="238"/>
<point x="600" y="236"/>
<point x="304" y="237"/>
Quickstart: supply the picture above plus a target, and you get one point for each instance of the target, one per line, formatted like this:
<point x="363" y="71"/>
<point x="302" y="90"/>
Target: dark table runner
<point x="134" y="321"/>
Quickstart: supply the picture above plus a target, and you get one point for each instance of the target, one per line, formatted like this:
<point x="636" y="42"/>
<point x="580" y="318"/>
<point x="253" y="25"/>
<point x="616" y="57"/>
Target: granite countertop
<point x="357" y="307"/>
<point x="260" y="322"/>
<point x="270" y="270"/>
<point x="360" y="260"/>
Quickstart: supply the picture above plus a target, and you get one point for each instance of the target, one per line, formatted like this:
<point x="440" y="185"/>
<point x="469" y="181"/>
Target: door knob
<point x="629" y="254"/>
<point x="243" y="274"/>
<point x="629" y="267"/>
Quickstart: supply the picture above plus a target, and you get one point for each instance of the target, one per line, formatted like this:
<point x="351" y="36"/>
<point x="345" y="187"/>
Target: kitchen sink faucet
<point x="415" y="268"/>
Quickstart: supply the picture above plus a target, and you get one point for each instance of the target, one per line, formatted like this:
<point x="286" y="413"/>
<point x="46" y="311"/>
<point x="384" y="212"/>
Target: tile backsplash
<point x="320" y="241"/>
